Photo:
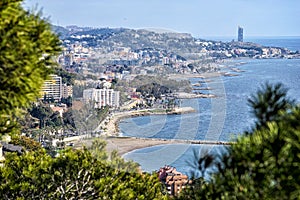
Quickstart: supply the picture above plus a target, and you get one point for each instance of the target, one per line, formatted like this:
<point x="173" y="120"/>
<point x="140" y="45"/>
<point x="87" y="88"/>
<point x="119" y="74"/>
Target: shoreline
<point x="125" y="145"/>
<point x="111" y="128"/>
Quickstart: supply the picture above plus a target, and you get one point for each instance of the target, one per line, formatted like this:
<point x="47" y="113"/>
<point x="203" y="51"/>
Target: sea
<point x="217" y="119"/>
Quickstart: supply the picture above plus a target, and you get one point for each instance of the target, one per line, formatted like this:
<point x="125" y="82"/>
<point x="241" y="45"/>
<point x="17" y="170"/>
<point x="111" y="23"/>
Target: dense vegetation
<point x="75" y="174"/>
<point x="26" y="58"/>
<point x="153" y="90"/>
<point x="174" y="85"/>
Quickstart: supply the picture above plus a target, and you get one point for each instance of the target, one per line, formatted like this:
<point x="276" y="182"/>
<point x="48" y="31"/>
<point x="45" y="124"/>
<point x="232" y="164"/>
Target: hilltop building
<point x="102" y="97"/>
<point x="240" y="34"/>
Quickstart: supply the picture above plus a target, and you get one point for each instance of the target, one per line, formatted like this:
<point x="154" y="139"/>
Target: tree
<point x="74" y="174"/>
<point x="68" y="119"/>
<point x="67" y="77"/>
<point x="55" y="120"/>
<point x="27" y="48"/>
<point x="268" y="102"/>
<point x="264" y="164"/>
<point x="67" y="101"/>
<point x="26" y="142"/>
<point x="41" y="112"/>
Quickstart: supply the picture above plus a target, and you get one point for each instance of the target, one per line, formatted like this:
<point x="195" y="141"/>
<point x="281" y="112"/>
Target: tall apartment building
<point x="102" y="97"/>
<point x="240" y="34"/>
<point x="52" y="88"/>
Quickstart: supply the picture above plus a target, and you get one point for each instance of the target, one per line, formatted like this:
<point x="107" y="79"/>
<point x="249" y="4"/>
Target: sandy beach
<point x="124" y="144"/>
<point x="127" y="144"/>
<point x="110" y="134"/>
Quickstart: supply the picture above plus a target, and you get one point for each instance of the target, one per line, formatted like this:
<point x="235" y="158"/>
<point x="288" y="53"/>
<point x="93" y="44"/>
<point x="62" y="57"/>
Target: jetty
<point x="184" y="95"/>
<point x="183" y="141"/>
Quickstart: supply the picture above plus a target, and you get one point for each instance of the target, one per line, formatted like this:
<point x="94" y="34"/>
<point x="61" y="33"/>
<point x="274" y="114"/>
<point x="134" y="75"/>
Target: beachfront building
<point x="102" y="97"/>
<point x="52" y="88"/>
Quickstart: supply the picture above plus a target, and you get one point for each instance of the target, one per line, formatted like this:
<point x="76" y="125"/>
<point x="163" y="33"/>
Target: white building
<point x="102" y="97"/>
<point x="52" y="88"/>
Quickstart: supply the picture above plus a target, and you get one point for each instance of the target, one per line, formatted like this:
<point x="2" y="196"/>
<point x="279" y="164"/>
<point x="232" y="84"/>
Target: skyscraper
<point x="240" y="34"/>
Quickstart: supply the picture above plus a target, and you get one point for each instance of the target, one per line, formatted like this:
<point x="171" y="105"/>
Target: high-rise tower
<point x="52" y="88"/>
<point x="240" y="34"/>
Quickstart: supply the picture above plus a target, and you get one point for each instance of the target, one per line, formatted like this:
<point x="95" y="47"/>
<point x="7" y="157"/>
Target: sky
<point x="201" y="18"/>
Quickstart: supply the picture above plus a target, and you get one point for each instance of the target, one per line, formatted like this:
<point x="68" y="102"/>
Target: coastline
<point x="125" y="145"/>
<point x="111" y="126"/>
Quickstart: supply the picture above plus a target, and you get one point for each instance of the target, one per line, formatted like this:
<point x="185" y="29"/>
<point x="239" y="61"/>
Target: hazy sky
<point x="198" y="17"/>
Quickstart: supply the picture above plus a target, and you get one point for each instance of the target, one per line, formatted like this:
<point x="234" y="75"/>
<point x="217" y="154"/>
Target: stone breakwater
<point x="183" y="95"/>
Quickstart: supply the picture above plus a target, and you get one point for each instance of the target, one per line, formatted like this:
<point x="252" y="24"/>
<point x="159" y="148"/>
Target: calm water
<point x="220" y="119"/>
<point x="291" y="43"/>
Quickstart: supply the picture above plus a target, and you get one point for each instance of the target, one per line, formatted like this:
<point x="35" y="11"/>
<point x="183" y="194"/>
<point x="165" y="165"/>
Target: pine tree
<point x="27" y="50"/>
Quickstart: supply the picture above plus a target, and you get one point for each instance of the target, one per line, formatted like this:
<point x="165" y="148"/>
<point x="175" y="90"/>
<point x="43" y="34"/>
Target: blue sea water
<point x="220" y="119"/>
<point x="291" y="43"/>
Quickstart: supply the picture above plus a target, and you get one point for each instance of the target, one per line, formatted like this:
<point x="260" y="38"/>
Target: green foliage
<point x="114" y="160"/>
<point x="24" y="176"/>
<point x="67" y="77"/>
<point x="268" y="102"/>
<point x="153" y="89"/>
<point x="42" y="112"/>
<point x="28" y="143"/>
<point x="27" y="47"/>
<point x="78" y="91"/>
<point x="74" y="174"/>
<point x="261" y="165"/>
<point x="47" y="117"/>
<point x="158" y="79"/>
<point x="87" y="118"/>
<point x="67" y="101"/>
<point x="68" y="119"/>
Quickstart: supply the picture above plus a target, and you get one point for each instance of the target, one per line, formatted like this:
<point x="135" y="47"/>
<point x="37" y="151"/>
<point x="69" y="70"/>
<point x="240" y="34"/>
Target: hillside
<point x="183" y="45"/>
